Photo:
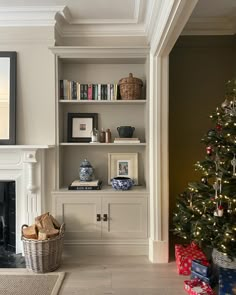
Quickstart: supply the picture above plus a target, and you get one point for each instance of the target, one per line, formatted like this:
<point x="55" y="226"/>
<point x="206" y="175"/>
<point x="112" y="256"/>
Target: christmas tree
<point x="206" y="210"/>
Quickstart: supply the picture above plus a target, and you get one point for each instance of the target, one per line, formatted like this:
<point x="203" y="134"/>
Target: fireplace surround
<point x="25" y="164"/>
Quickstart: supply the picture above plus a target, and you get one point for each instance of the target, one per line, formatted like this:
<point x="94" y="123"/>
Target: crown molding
<point x="29" y="16"/>
<point x="152" y="15"/>
<point x="210" y="26"/>
<point x="102" y="30"/>
<point x="133" y="52"/>
<point x="138" y="5"/>
<point x="167" y="24"/>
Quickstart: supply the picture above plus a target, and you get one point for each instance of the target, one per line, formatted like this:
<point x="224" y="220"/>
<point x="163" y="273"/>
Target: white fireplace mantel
<point x="25" y="164"/>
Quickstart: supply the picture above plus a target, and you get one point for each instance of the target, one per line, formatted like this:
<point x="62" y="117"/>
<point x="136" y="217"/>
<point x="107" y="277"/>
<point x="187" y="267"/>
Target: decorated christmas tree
<point x="206" y="210"/>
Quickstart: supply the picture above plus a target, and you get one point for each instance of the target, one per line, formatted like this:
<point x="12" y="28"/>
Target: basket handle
<point x="62" y="229"/>
<point x="22" y="227"/>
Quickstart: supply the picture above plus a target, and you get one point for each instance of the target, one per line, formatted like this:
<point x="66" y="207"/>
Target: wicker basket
<point x="222" y="260"/>
<point x="43" y="256"/>
<point x="130" y="88"/>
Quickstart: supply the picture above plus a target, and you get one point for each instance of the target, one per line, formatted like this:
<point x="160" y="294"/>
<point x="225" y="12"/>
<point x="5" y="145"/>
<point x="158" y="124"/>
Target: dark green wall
<point x="199" y="68"/>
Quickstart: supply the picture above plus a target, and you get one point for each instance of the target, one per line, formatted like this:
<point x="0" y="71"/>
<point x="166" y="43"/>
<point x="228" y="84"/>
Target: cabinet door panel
<point x="127" y="217"/>
<point x="80" y="217"/>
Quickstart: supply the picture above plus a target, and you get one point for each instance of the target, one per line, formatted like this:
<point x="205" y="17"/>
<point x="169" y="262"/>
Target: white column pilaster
<point x="159" y="178"/>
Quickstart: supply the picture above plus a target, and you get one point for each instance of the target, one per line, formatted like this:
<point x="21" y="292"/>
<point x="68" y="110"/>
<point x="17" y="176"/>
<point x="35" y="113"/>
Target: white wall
<point x="35" y="101"/>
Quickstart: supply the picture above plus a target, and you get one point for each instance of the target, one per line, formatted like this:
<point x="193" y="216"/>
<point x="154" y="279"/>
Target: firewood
<point x="47" y="223"/>
<point x="38" y="220"/>
<point x="52" y="232"/>
<point x="55" y="222"/>
<point x="42" y="235"/>
<point x="30" y="232"/>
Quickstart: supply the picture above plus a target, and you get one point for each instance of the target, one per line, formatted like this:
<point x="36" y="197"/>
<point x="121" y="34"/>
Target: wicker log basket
<point x="130" y="88"/>
<point x="222" y="260"/>
<point x="43" y="256"/>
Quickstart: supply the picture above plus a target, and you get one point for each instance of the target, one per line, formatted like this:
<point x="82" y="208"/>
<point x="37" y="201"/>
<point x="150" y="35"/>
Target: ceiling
<point x="124" y="17"/>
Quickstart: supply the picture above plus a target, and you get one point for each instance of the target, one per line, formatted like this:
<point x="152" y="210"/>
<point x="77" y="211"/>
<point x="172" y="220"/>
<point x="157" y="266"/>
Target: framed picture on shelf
<point x="124" y="165"/>
<point x="80" y="126"/>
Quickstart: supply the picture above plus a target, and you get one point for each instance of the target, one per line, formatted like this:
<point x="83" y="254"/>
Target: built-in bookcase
<point x="74" y="64"/>
<point x="102" y="66"/>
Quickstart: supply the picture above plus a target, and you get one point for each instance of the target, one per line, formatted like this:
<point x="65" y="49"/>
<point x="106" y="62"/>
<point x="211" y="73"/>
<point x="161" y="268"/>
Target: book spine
<point x="74" y="90"/>
<point x="84" y="188"/>
<point x="85" y="91"/>
<point x="78" y="90"/>
<point x="108" y="91"/>
<point x="90" y="91"/>
<point x="99" y="91"/>
<point x="61" y="90"/>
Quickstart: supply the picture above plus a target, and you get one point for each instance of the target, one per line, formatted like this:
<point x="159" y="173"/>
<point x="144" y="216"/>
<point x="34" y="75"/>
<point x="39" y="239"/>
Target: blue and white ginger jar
<point x="86" y="171"/>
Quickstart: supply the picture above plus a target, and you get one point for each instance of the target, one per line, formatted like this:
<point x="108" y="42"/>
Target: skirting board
<point x="158" y="251"/>
<point x="73" y="250"/>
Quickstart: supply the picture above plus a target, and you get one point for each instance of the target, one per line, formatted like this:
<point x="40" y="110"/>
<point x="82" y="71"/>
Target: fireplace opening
<point x="8" y="258"/>
<point x="8" y="215"/>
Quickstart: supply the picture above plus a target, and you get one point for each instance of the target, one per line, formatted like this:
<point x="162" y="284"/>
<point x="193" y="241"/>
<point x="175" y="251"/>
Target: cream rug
<point x="27" y="283"/>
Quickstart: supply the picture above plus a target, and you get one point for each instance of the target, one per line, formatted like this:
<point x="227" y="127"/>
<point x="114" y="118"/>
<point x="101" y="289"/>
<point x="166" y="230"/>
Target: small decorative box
<point x="184" y="256"/>
<point x="227" y="281"/>
<point x="197" y="287"/>
<point x="201" y="267"/>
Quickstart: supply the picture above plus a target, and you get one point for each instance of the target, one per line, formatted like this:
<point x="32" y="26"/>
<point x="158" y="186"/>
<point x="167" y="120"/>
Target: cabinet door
<point x="126" y="217"/>
<point x="80" y="217"/>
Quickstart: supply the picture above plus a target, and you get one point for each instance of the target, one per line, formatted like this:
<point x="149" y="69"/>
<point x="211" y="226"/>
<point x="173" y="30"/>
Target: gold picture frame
<point x="123" y="165"/>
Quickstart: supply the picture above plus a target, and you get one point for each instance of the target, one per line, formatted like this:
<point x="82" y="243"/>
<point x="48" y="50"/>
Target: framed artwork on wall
<point x="7" y="97"/>
<point x="80" y="126"/>
<point x="124" y="165"/>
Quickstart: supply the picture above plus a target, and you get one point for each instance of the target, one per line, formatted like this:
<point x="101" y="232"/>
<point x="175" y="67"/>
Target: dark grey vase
<point x="125" y="131"/>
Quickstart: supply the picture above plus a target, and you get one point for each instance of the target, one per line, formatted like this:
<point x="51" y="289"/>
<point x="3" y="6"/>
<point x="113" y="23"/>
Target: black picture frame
<point x="80" y="126"/>
<point x="10" y="139"/>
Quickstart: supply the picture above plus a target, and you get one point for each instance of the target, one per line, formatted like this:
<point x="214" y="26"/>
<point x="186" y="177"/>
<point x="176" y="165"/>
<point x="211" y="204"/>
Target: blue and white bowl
<point x="122" y="183"/>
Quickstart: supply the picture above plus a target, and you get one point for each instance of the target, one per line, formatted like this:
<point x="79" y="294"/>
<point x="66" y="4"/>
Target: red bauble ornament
<point x="218" y="127"/>
<point x="209" y="150"/>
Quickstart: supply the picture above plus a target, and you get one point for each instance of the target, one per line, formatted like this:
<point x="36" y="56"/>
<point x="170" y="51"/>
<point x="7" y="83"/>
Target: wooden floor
<point x="120" y="275"/>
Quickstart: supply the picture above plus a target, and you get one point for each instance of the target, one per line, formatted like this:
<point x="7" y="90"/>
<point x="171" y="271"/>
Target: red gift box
<point x="197" y="287"/>
<point x="184" y="254"/>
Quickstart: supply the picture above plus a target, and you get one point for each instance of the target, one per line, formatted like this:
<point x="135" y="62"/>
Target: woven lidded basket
<point x="130" y="87"/>
<point x="43" y="256"/>
<point x="223" y="260"/>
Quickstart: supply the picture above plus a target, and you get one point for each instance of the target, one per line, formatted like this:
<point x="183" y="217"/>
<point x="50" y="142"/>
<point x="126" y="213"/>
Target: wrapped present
<point x="201" y="266"/>
<point x="197" y="287"/>
<point x="227" y="281"/>
<point x="209" y="280"/>
<point x="184" y="256"/>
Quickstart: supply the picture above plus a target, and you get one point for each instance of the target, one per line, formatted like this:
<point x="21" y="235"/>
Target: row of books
<point x="72" y="90"/>
<point x="85" y="185"/>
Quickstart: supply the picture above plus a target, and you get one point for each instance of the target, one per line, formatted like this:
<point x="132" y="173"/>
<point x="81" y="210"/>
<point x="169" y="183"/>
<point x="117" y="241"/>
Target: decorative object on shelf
<point x="94" y="135"/>
<point x="80" y="126"/>
<point x="126" y="140"/>
<point x="125" y="131"/>
<point x="108" y="136"/>
<point x="8" y="97"/>
<point x="123" y="165"/>
<point x="102" y="136"/>
<point x="122" y="183"/>
<point x="86" y="171"/>
<point x="130" y="87"/>
<point x="85" y="185"/>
